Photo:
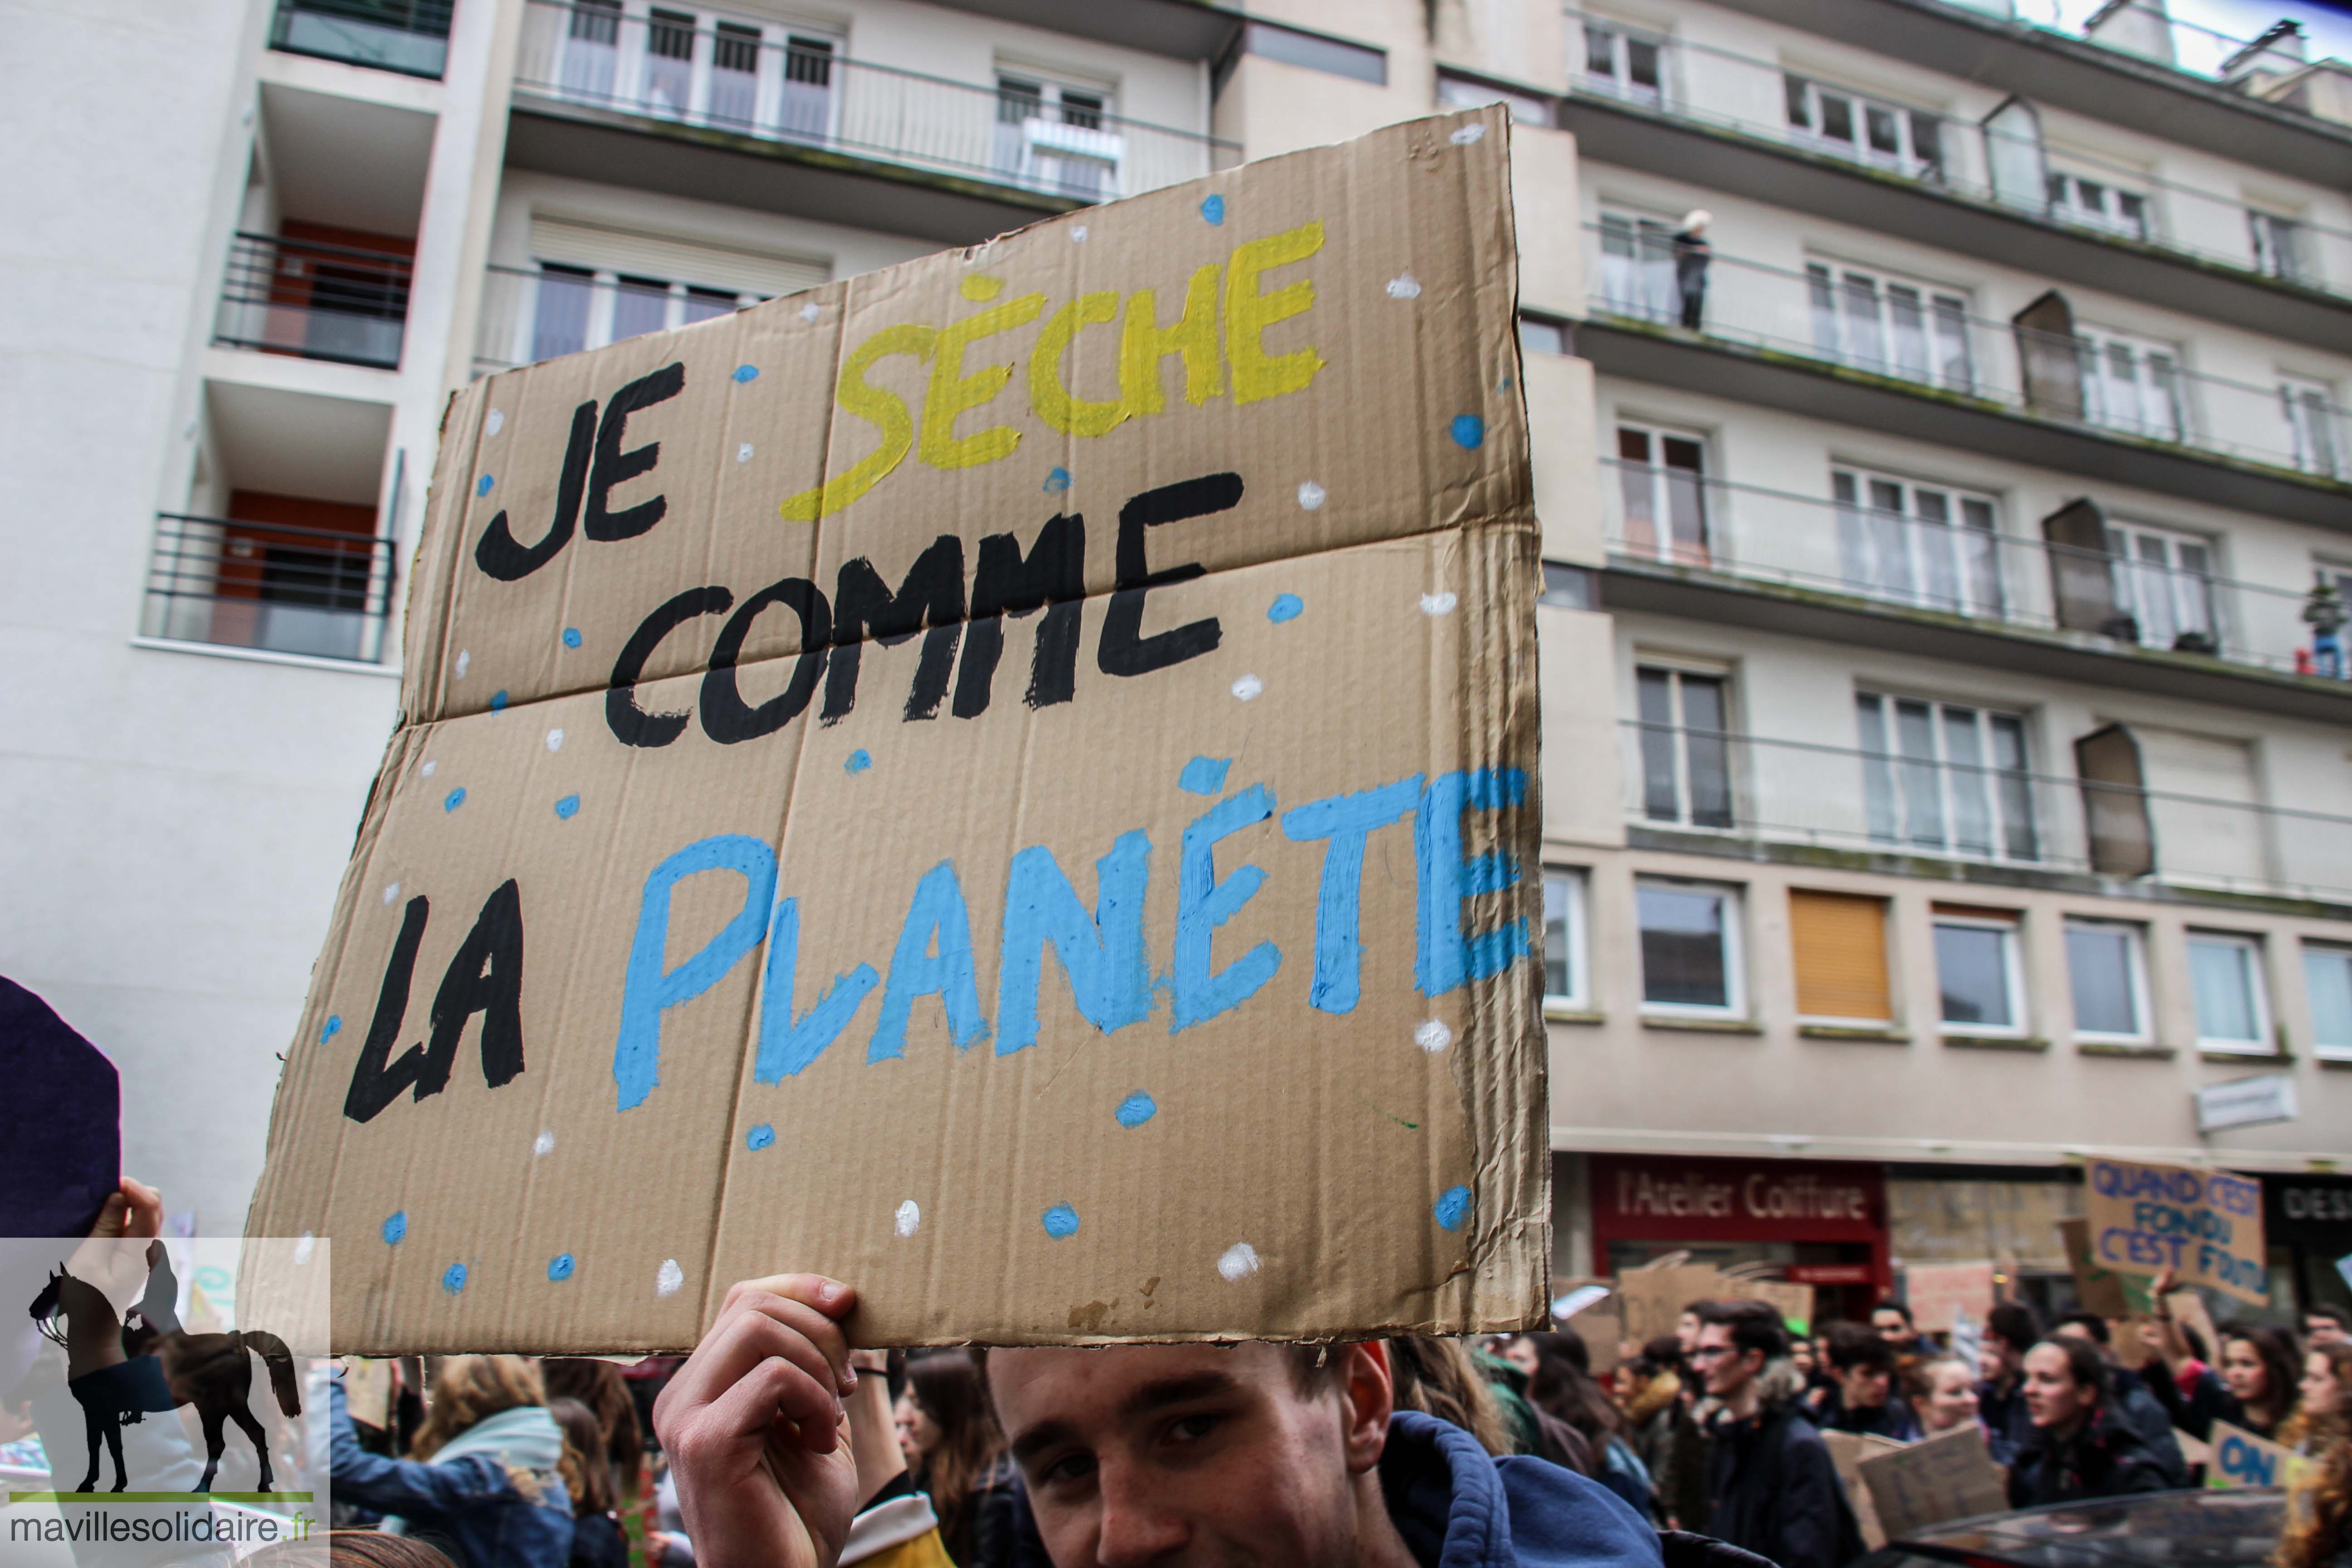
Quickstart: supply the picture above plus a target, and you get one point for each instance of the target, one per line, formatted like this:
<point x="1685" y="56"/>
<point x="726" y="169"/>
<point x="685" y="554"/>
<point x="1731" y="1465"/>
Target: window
<point x="1662" y="483"/>
<point x="1052" y="136"/>
<point x="1637" y="267"/>
<point x="2106" y="969"/>
<point x="735" y="74"/>
<point x="1461" y="93"/>
<point x="669" y="60"/>
<point x="805" y="108"/>
<point x="1839" y="940"/>
<point x="2281" y="249"/>
<point x="1977" y="973"/>
<point x="591" y="48"/>
<point x="1622" y="63"/>
<point x="1685" y="747"/>
<point x="1565" y="987"/>
<point x="2225" y="975"/>
<point x="560" y="324"/>
<point x="2164" y="580"/>
<point x="581" y="308"/>
<point x="1909" y="140"/>
<point x="1315" y="52"/>
<point x="1940" y="776"/>
<point x="2311" y="423"/>
<point x="1690" y="949"/>
<point x="1889" y="326"/>
<point x="1539" y="335"/>
<point x="2327" y="977"/>
<point x="2094" y="204"/>
<point x="2131" y="384"/>
<point x="1921" y="544"/>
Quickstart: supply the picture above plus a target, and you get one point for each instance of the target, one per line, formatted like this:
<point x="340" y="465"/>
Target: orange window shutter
<point x="1840" y="950"/>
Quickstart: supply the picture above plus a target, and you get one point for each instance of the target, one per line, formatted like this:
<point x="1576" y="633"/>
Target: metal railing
<point x="529" y="315"/>
<point x="268" y="585"/>
<point x="411" y="36"/>
<point x="1911" y="332"/>
<point x="761" y="80"/>
<point x="2004" y="163"/>
<point x="318" y="300"/>
<point x="1749" y="788"/>
<point x="1938" y="548"/>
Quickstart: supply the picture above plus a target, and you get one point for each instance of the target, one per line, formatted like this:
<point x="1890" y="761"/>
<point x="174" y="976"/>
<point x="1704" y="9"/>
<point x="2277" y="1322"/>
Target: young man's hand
<point x="755" y="1431"/>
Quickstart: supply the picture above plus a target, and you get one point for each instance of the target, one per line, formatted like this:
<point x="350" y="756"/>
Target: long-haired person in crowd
<point x="1560" y="1381"/>
<point x="599" y="1386"/>
<point x="2079" y="1445"/>
<point x="598" y="1540"/>
<point x="960" y="1457"/>
<point x="2252" y="1385"/>
<point x="1442" y="1378"/>
<point x="1941" y="1392"/>
<point x="1663" y="1435"/>
<point x="2317" y="1532"/>
<point x="486" y="1484"/>
<point x="2323" y="1407"/>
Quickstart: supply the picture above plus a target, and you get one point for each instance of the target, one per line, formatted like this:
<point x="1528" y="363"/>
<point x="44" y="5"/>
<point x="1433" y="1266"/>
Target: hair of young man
<point x="1664" y="1353"/>
<point x="2339" y="1316"/>
<point x="1854" y="1346"/>
<point x="2090" y="1323"/>
<point x="2015" y="1325"/>
<point x="1889" y="1304"/>
<point x="1754" y="1325"/>
<point x="1314" y="1367"/>
<point x="2086" y="1367"/>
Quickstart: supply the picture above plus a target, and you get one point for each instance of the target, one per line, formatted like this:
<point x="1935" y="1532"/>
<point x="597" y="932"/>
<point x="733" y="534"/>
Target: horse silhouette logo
<point x="119" y="1372"/>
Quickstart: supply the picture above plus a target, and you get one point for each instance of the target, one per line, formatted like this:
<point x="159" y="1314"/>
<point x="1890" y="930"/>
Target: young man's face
<point x="1890" y="1325"/>
<point x="1726" y="1368"/>
<point x="1863" y="1387"/>
<point x="2052" y="1398"/>
<point x="2318" y="1328"/>
<point x="1200" y="1456"/>
<point x="1687" y="1332"/>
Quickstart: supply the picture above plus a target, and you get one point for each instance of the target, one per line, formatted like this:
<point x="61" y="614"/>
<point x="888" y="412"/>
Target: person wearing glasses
<point x="1770" y="1486"/>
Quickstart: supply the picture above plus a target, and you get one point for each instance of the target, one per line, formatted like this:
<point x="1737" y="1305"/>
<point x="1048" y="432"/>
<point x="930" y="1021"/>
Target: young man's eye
<point x="1193" y="1428"/>
<point x="1068" y="1469"/>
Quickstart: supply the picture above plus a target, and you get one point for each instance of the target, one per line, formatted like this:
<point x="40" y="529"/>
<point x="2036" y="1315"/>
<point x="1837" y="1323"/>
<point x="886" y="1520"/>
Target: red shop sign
<point x="1832" y="1274"/>
<point x="1650" y="1197"/>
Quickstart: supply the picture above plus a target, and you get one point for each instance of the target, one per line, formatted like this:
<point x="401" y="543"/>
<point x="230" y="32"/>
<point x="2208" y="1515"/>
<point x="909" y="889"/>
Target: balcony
<point x="271" y="586"/>
<point x="1012" y="150"/>
<point x="411" y="36"/>
<point x="312" y="300"/>
<point x="1954" y="799"/>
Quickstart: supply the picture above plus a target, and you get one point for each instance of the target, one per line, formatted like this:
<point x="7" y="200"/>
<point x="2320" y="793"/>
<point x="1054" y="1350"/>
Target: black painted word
<point x="593" y="463"/>
<point x="485" y="977"/>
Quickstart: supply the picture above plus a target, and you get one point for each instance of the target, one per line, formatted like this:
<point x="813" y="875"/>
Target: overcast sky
<point x="2329" y="29"/>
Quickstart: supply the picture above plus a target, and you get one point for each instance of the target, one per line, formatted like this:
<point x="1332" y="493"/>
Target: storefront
<point x="1822" y="1223"/>
<point x="2307" y="1225"/>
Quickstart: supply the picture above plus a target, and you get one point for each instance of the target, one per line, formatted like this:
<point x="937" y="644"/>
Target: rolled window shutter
<point x="1840" y="951"/>
<point x="683" y="261"/>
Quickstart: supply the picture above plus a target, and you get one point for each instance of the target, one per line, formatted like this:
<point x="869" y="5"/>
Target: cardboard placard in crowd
<point x="2194" y="1451"/>
<point x="367" y="1389"/>
<point x="1008" y="780"/>
<point x="1793" y="1302"/>
<point x="1604" y="1336"/>
<point x="1847" y="1451"/>
<point x="2189" y="1314"/>
<point x="2096" y="1289"/>
<point x="1654" y="1298"/>
<point x="1938" y="1293"/>
<point x="2239" y="1458"/>
<point x="2204" y="1225"/>
<point x="1947" y="1477"/>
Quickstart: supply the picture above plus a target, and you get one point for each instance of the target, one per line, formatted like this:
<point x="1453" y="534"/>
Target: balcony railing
<point x="1746" y="788"/>
<point x="1938" y="548"/>
<point x="411" y="36"/>
<point x="268" y="585"/>
<point x="761" y="80"/>
<point x="2002" y="161"/>
<point x="1908" y="331"/>
<point x="320" y="302"/>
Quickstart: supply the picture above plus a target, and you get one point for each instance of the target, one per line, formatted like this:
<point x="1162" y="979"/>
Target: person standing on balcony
<point x="1692" y="253"/>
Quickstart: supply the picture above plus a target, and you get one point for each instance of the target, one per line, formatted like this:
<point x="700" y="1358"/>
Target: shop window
<point x="1690" y="949"/>
<point x="1685" y="747"/>
<point x="1977" y="973"/>
<point x="2327" y="977"/>
<point x="1839" y="940"/>
<point x="2225" y="975"/>
<point x="1940" y="776"/>
<point x="2107" y="970"/>
<point x="1566" y="978"/>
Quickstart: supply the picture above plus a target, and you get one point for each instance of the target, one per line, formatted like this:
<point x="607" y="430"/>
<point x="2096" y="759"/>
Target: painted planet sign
<point x="1007" y="780"/>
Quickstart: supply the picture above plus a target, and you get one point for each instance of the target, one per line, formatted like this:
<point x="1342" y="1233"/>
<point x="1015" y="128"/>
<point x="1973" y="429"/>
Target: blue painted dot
<point x="1469" y="431"/>
<point x="561" y="1266"/>
<point x="571" y="636"/>
<point x="453" y="1279"/>
<point x="1057" y="481"/>
<point x="568" y="807"/>
<point x="1452" y="1208"/>
<point x="747" y="373"/>
<point x="859" y="762"/>
<point x="396" y="1227"/>
<point x="760" y="1137"/>
<point x="1136" y="1109"/>
<point x="1203" y="776"/>
<point x="1286" y="608"/>
<point x="498" y="700"/>
<point x="330" y="1028"/>
<point x="1061" y="1220"/>
<point x="482" y="486"/>
<point x="454" y="799"/>
<point x="1213" y="209"/>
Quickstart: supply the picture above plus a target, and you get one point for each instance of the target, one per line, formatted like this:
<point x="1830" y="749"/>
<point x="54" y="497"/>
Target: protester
<point x="1941" y="1392"/>
<point x="2133" y="1398"/>
<point x="1561" y="1381"/>
<point x="599" y="1386"/>
<point x="1771" y="1488"/>
<point x="2322" y="1406"/>
<point x="1290" y="1454"/>
<point x="2011" y="1330"/>
<point x="486" y="1484"/>
<point x="1440" y="1378"/>
<point x="1891" y="1321"/>
<point x="1663" y="1432"/>
<point x="1533" y="1429"/>
<point x="2317" y="1532"/>
<point x="960" y="1461"/>
<point x="2253" y="1387"/>
<point x="1863" y="1362"/>
<point x="598" y="1540"/>
<point x="2327" y="1324"/>
<point x="2079" y="1446"/>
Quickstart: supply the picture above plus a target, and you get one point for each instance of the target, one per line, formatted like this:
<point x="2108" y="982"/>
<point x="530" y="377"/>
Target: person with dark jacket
<point x="1863" y="1362"/>
<point x="2011" y="1330"/>
<point x="2079" y="1446"/>
<point x="1771" y="1488"/>
<point x="2133" y="1398"/>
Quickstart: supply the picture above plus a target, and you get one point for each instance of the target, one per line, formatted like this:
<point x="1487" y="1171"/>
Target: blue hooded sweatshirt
<point x="1459" y="1507"/>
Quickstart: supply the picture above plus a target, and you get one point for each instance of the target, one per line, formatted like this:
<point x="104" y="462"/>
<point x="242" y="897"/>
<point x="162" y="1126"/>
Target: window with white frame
<point x="2132" y="384"/>
<point x="2314" y="425"/>
<point x="2225" y="977"/>
<point x="1890" y="326"/>
<point x="1908" y="140"/>
<point x="1620" y="61"/>
<point x="1567" y="984"/>
<point x="2098" y="203"/>
<point x="1053" y="135"/>
<point x="1944" y="777"/>
<point x="1686" y="746"/>
<point x="2327" y="980"/>
<point x="1978" y="973"/>
<point x="2164" y="580"/>
<point x="1921" y="544"/>
<point x="2282" y="247"/>
<point x="582" y="308"/>
<point x="1637" y="267"/>
<point x="2107" y="970"/>
<point x="1690" y="949"/>
<point x="1662" y="490"/>
<point x="733" y="72"/>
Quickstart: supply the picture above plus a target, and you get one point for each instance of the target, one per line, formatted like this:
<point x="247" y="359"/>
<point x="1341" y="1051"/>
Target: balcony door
<point x="1661" y="487"/>
<point x="1686" y="726"/>
<point x="707" y="67"/>
<point x="1890" y="326"/>
<point x="1056" y="137"/>
<point x="1637" y="267"/>
<point x="2164" y="580"/>
<point x="1947" y="778"/>
<point x="2131" y="384"/>
<point x="1919" y="545"/>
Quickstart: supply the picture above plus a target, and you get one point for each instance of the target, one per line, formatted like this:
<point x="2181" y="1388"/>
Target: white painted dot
<point x="910" y="1217"/>
<point x="555" y="740"/>
<point x="670" y="1278"/>
<point x="809" y="312"/>
<point x="1078" y="234"/>
<point x="1467" y="134"/>
<point x="1438" y="604"/>
<point x="1310" y="494"/>
<point x="304" y="1245"/>
<point x="1238" y="1262"/>
<point x="426" y="770"/>
<point x="1432" y="1036"/>
<point x="1404" y="286"/>
<point x="1247" y="686"/>
<point x="495" y="422"/>
<point x="743" y="453"/>
<point x="464" y="657"/>
<point x="545" y="1142"/>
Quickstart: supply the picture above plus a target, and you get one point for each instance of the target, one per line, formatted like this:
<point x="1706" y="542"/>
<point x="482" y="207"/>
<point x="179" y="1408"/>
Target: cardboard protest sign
<point x="2239" y="1458"/>
<point x="1847" y="1451"/>
<point x="2189" y="1314"/>
<point x="1793" y="1302"/>
<point x="1654" y="1298"/>
<point x="1007" y="780"/>
<point x="1947" y="1477"/>
<point x="2205" y="1225"/>
<point x="2098" y="1289"/>
<point x="1938" y="1293"/>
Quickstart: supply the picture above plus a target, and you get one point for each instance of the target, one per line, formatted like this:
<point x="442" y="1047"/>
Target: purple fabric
<point x="61" y="1115"/>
